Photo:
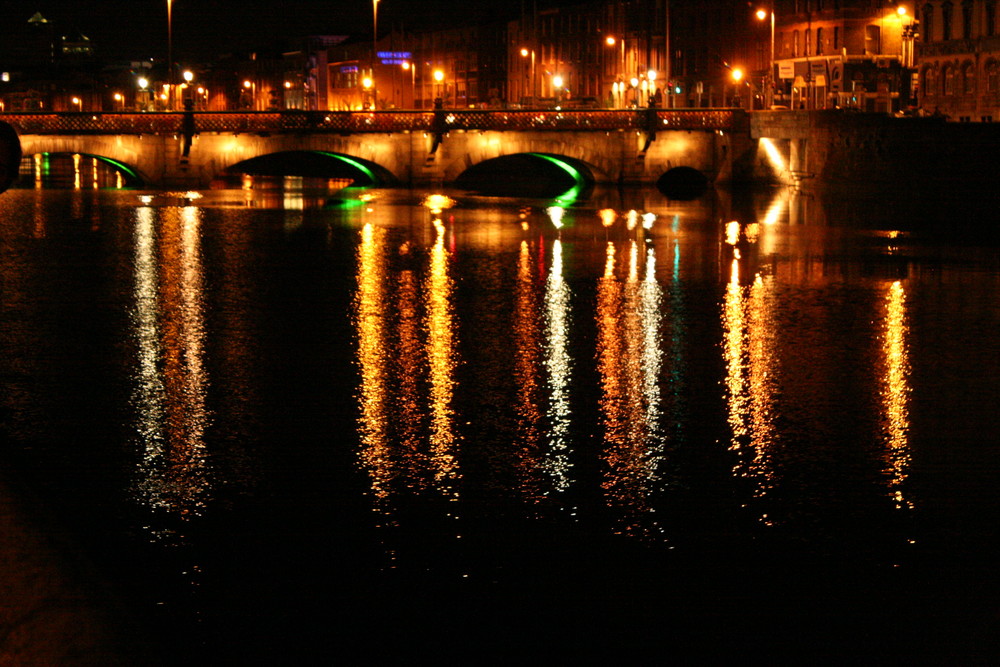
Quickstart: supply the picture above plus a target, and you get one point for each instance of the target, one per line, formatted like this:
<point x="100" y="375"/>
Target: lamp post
<point x="143" y="84"/>
<point x="374" y="51"/>
<point x="412" y="67"/>
<point x="557" y="86"/>
<point x="761" y="15"/>
<point x="170" y="51"/>
<point x="525" y="52"/>
<point x="439" y="77"/>
<point x="367" y="84"/>
<point x="611" y="41"/>
<point x="737" y="75"/>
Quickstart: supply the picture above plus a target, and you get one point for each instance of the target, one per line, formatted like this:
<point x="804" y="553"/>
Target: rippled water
<point x="287" y="426"/>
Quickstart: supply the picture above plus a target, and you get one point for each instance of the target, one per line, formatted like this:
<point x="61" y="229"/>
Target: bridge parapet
<point x="349" y="122"/>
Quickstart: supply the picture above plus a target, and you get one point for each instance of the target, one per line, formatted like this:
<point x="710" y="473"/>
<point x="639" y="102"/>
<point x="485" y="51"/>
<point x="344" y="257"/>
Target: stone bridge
<point x="410" y="147"/>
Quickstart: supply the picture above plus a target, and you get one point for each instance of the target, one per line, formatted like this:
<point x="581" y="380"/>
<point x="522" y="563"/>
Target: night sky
<point x="136" y="29"/>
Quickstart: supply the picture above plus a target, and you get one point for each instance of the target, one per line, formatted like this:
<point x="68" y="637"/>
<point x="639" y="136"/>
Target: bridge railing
<point x="349" y="122"/>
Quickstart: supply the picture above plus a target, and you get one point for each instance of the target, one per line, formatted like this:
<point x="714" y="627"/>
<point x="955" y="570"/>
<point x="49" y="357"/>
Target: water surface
<point x="285" y="424"/>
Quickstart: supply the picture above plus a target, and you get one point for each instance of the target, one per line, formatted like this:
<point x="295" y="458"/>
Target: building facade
<point x="844" y="54"/>
<point x="958" y="54"/>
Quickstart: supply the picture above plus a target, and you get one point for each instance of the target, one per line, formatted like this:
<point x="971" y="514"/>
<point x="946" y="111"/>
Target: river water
<point x="282" y="426"/>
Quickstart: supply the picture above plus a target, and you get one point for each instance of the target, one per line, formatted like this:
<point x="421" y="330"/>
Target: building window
<point x="949" y="80"/>
<point x="928" y="14"/>
<point x="929" y="83"/>
<point x="946" y="11"/>
<point x="809" y="36"/>
<point x="872" y="38"/>
<point x="795" y="44"/>
<point x="967" y="19"/>
<point x="969" y="80"/>
<point x="819" y="41"/>
<point x="992" y="78"/>
<point x="836" y="38"/>
<point x="990" y="24"/>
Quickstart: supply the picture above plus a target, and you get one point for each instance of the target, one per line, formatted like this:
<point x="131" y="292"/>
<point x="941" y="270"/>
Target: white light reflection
<point x="556" y="215"/>
<point x="629" y="359"/>
<point x="748" y="345"/>
<point x="559" y="365"/>
<point x="172" y="381"/>
<point x="896" y="393"/>
<point x="526" y="372"/>
<point x="369" y="306"/>
<point x="774" y="155"/>
<point x="441" y="359"/>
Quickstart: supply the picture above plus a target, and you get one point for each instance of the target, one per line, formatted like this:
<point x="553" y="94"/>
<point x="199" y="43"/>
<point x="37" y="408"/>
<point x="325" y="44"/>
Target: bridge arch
<point x="314" y="163"/>
<point x="111" y="151"/>
<point x="529" y="174"/>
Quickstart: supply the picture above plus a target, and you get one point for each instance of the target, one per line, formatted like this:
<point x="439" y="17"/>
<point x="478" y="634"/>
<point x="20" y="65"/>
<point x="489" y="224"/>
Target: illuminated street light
<point x="188" y="76"/>
<point x="77" y="102"/>
<point x="737" y="74"/>
<point x="763" y="14"/>
<point x="439" y="77"/>
<point x="170" y="46"/>
<point x="610" y="41"/>
<point x="374" y="50"/>
<point x="525" y="52"/>
<point x="412" y="69"/>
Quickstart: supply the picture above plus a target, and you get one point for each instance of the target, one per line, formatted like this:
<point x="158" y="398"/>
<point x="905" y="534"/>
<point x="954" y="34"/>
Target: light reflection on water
<point x="657" y="371"/>
<point x="171" y="380"/>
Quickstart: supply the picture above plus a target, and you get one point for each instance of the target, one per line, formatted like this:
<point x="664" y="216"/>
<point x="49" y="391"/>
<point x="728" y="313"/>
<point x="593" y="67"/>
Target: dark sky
<point x="138" y="28"/>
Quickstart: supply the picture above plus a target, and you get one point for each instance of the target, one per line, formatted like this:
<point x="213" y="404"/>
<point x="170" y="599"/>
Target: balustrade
<point x="348" y="122"/>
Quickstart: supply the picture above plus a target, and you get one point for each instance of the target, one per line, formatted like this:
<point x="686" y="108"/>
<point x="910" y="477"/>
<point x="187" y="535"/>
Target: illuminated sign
<point x="394" y="57"/>
<point x="346" y="69"/>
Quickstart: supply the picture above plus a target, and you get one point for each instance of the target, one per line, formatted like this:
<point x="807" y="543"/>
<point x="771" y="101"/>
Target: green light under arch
<point x="580" y="182"/>
<point x="111" y="162"/>
<point x="360" y="166"/>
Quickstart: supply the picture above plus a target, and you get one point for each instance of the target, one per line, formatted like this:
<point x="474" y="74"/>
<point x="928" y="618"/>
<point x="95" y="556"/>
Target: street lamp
<point x="531" y="80"/>
<point x="251" y="90"/>
<point x="761" y="15"/>
<point x="188" y="77"/>
<point x="374" y="51"/>
<point x="367" y="84"/>
<point x="412" y="68"/>
<point x="611" y="41"/>
<point x="170" y="48"/>
<point x="439" y="77"/>
<point x="737" y="75"/>
<point x="557" y="85"/>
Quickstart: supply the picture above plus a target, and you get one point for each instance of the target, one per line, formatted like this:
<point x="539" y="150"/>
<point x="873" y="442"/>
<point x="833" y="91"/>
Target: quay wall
<point x="844" y="151"/>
